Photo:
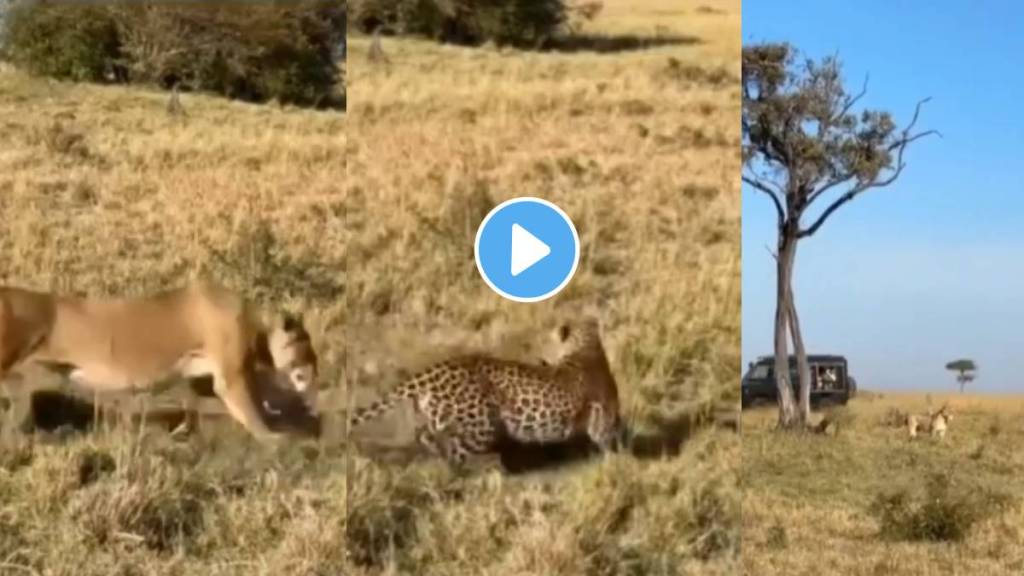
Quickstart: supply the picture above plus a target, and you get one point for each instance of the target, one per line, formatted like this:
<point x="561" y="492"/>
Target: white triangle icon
<point x="527" y="249"/>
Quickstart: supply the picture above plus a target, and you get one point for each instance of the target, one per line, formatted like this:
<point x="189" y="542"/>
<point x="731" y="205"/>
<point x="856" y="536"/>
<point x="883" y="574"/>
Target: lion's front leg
<point x="18" y="417"/>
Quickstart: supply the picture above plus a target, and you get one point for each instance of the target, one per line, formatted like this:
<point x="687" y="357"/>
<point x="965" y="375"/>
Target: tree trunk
<point x="784" y="262"/>
<point x="802" y="366"/>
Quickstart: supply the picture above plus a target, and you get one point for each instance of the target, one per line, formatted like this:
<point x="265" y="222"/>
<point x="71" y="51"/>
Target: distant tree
<point x="966" y="371"/>
<point x="804" y="142"/>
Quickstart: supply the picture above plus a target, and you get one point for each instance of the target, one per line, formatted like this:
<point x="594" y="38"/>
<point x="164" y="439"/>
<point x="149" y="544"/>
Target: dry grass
<point x="807" y="501"/>
<point x="640" y="147"/>
<point x="117" y="504"/>
<point x="102" y="192"/>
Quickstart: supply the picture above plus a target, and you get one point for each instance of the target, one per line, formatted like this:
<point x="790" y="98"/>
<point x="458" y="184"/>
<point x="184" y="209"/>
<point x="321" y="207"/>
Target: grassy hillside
<point x="807" y="500"/>
<point x="102" y="192"/>
<point x="635" y="135"/>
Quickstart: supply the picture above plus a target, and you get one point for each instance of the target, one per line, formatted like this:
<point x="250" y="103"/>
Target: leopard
<point x="471" y="403"/>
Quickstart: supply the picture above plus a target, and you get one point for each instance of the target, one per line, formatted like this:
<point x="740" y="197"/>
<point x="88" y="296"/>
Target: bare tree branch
<point x="841" y="179"/>
<point x="917" y="112"/>
<point x="758" y="185"/>
<point x="899" y="146"/>
<point x="851" y="102"/>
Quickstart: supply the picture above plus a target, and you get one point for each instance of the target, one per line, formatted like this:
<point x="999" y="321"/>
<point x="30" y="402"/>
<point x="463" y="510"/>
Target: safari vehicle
<point x="830" y="380"/>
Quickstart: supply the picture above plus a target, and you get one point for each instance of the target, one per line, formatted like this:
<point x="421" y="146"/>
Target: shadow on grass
<point x="667" y="440"/>
<point x="58" y="411"/>
<point x="52" y="410"/>
<point x="608" y="44"/>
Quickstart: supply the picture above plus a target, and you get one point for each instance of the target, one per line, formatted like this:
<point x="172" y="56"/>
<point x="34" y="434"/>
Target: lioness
<point x="936" y="423"/>
<point x="286" y="378"/>
<point x="135" y="343"/>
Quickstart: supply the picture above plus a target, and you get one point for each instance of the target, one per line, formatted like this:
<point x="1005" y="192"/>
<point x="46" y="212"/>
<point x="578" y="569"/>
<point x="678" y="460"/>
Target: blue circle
<point x="537" y="220"/>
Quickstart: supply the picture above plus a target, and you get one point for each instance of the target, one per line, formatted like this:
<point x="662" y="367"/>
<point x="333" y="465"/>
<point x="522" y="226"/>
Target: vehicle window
<point x="760" y="372"/>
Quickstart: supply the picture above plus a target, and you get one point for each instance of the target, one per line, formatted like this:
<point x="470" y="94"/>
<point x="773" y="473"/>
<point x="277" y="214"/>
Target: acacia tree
<point x="966" y="371"/>
<point x="805" y="146"/>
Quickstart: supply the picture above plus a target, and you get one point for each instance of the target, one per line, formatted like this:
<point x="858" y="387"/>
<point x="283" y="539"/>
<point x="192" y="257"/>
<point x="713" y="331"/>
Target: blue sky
<point x="930" y="269"/>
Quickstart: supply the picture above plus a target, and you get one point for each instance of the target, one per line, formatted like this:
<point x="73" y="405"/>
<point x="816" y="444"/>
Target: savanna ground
<point x="102" y="192"/>
<point x="808" y="499"/>
<point x="634" y="133"/>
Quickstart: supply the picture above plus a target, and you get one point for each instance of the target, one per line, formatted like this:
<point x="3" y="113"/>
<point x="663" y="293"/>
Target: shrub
<point x="944" y="512"/>
<point x="286" y="51"/>
<point x="777" y="537"/>
<point x="512" y="22"/>
<point x="68" y="41"/>
<point x="252" y="53"/>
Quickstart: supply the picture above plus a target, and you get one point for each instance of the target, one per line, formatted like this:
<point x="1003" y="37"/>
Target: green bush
<point x="512" y="22"/>
<point x="68" y="41"/>
<point x="289" y="51"/>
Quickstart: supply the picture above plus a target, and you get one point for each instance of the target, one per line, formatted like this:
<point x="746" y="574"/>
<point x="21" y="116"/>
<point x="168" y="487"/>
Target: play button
<point x="527" y="249"/>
